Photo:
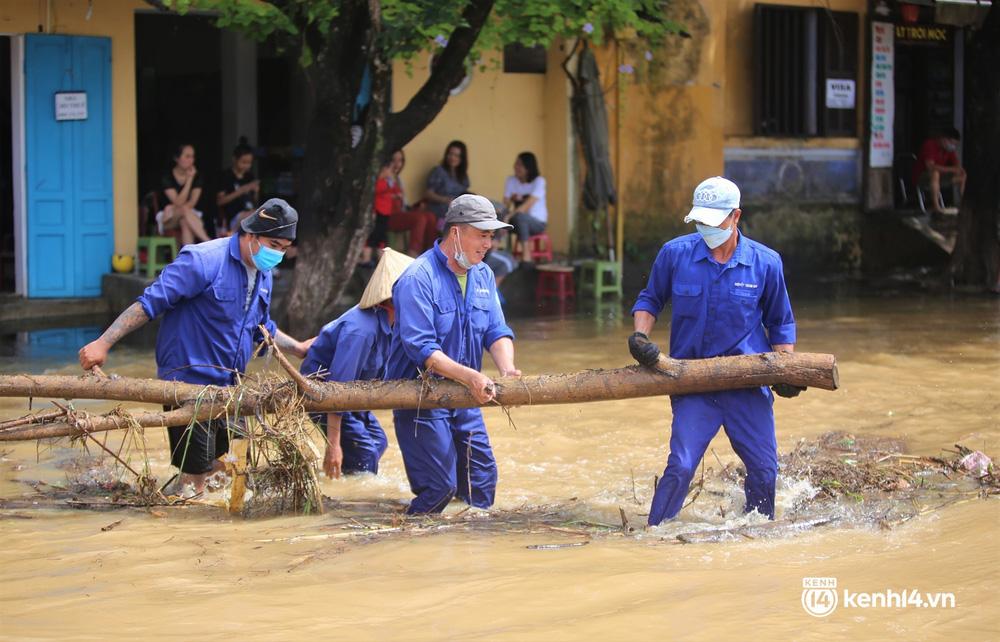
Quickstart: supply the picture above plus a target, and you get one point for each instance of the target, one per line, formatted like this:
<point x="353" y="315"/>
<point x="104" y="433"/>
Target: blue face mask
<point x="266" y="258"/>
<point x="714" y="236"/>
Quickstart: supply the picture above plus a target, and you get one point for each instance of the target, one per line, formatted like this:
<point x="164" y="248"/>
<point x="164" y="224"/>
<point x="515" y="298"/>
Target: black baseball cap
<point x="275" y="218"/>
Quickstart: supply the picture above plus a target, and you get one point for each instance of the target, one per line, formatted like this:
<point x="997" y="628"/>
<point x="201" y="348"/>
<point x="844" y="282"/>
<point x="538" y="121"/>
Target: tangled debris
<point x="849" y="481"/>
<point x="842" y="465"/>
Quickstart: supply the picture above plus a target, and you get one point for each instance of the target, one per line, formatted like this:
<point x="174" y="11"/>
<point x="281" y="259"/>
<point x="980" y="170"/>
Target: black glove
<point x="787" y="390"/>
<point x="643" y="350"/>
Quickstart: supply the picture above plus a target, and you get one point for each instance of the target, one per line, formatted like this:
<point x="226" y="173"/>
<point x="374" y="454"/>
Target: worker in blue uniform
<point x="354" y="347"/>
<point x="211" y="298"/>
<point x="728" y="297"/>
<point x="447" y="314"/>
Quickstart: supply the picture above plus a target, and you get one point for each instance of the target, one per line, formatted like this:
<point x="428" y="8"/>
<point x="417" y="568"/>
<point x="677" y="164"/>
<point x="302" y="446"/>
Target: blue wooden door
<point x="70" y="214"/>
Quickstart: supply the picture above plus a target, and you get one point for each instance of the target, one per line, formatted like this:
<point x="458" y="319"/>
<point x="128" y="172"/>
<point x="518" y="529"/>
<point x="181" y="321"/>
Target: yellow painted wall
<point x="114" y="19"/>
<point x="498" y="116"/>
<point x="669" y="117"/>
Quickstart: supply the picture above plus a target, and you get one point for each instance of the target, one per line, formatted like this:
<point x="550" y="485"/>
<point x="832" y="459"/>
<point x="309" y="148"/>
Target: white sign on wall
<point x="839" y="93"/>
<point x="71" y="105"/>
<point x="883" y="99"/>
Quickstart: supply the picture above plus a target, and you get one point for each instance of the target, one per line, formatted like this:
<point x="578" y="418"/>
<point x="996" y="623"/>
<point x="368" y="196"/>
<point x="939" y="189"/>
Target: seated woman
<point x="421" y="224"/>
<point x="355" y="347"/>
<point x="181" y="190"/>
<point x="448" y="181"/>
<point x="524" y="197"/>
<point x="239" y="191"/>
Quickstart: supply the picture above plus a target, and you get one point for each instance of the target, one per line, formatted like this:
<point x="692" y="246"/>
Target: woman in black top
<point x="181" y="189"/>
<point x="239" y="191"/>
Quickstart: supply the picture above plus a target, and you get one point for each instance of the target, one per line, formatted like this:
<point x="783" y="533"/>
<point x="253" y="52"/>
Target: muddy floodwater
<point x="924" y="370"/>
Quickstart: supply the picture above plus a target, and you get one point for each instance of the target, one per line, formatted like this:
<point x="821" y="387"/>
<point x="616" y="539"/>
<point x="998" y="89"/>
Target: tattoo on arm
<point x="285" y="343"/>
<point x="132" y="318"/>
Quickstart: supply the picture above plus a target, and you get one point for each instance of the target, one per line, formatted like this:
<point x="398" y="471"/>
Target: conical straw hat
<point x="389" y="268"/>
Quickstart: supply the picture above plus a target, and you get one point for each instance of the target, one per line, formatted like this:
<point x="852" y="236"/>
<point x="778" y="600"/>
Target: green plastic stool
<point x="153" y="244"/>
<point x="399" y="240"/>
<point x="593" y="278"/>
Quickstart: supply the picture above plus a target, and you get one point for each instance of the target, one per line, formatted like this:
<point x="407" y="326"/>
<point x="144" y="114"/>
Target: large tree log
<point x="671" y="378"/>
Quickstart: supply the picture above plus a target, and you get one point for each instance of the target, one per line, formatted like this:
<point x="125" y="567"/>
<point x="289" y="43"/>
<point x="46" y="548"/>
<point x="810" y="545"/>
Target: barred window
<point x="518" y="59"/>
<point x="805" y="71"/>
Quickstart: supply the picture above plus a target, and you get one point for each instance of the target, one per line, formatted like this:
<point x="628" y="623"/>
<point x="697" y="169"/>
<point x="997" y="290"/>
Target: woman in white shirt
<point x="524" y="197"/>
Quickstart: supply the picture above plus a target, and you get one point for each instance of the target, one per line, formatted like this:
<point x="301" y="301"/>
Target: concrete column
<point x="239" y="91"/>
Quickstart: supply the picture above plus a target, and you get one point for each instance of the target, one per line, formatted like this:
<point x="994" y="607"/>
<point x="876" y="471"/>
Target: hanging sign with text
<point x="71" y="105"/>
<point x="883" y="95"/>
<point x="839" y="93"/>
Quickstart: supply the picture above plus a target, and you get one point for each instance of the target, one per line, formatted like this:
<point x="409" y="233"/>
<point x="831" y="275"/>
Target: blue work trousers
<point x="362" y="440"/>
<point x="446" y="453"/>
<point x="748" y="418"/>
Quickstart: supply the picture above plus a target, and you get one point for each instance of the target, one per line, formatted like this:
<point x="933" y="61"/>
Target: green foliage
<point x="412" y="26"/>
<point x="259" y="20"/>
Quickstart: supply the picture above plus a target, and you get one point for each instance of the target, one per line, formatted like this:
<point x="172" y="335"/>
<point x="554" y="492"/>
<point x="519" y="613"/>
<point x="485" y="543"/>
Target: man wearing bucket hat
<point x="728" y="297"/>
<point x="212" y="299"/>
<point x="447" y="314"/>
<point x="354" y="347"/>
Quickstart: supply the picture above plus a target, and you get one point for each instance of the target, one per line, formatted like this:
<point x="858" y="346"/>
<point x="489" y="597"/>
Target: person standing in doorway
<point x="447" y="315"/>
<point x="728" y="297"/>
<point x="212" y="299"/>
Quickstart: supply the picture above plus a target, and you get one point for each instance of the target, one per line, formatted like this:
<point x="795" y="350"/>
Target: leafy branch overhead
<point x="409" y="27"/>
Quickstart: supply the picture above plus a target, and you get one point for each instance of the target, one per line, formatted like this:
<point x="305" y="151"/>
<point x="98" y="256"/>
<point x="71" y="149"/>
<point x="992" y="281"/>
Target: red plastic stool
<point x="555" y="280"/>
<point x="541" y="247"/>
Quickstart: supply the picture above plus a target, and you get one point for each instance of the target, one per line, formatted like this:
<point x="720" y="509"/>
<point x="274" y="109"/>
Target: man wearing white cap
<point x="728" y="297"/>
<point x="354" y="347"/>
<point x="447" y="315"/>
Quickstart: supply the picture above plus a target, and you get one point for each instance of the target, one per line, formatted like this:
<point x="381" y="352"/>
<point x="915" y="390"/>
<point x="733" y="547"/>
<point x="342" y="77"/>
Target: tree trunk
<point x="976" y="259"/>
<point x="674" y="377"/>
<point x="337" y="180"/>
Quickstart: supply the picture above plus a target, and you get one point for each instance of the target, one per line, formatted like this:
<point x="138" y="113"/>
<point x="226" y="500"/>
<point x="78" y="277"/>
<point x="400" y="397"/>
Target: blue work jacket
<point x="432" y="314"/>
<point x="717" y="310"/>
<point x="206" y="334"/>
<point x="352" y="347"/>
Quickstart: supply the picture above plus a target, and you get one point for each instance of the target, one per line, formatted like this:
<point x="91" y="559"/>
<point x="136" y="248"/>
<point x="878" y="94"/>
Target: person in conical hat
<point x="355" y="347"/>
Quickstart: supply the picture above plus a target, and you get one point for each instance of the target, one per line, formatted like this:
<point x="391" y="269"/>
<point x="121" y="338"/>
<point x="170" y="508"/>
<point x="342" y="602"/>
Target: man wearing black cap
<point x="212" y="298"/>
<point x="447" y="315"/>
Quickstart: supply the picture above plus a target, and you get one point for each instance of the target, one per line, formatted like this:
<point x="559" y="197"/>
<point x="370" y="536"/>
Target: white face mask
<point x="714" y="236"/>
<point x="459" y="255"/>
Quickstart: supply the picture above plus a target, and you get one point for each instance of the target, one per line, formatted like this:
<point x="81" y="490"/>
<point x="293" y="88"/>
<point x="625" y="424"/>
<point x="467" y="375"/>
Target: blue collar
<point x="383" y="320"/>
<point x="443" y="259"/>
<point x="440" y="255"/>
<point x="701" y="251"/>
<point x="234" y="248"/>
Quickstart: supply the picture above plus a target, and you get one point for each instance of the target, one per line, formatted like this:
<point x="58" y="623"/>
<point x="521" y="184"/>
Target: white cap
<point x="714" y="199"/>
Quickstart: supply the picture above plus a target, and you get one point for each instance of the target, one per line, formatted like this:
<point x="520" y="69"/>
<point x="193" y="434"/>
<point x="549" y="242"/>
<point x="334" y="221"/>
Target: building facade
<point x="803" y="103"/>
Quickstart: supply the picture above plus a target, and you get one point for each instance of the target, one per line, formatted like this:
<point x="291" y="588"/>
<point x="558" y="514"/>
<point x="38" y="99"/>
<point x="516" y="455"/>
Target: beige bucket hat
<point x="390" y="267"/>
